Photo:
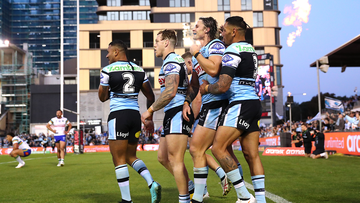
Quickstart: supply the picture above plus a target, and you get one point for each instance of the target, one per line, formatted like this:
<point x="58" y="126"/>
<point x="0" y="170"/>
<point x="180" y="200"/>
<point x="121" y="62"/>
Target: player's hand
<point x="202" y="87"/>
<point x="146" y="116"/>
<point x="149" y="127"/>
<point x="186" y="111"/>
<point x="194" y="48"/>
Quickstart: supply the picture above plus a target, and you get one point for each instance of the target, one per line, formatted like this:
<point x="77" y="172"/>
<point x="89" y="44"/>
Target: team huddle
<point x="216" y="107"/>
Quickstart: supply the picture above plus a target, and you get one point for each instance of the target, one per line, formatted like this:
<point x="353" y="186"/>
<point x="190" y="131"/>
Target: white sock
<point x="18" y="158"/>
<point x="323" y="154"/>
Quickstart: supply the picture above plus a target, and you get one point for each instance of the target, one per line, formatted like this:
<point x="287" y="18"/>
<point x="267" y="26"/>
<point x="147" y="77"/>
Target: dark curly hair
<point x="211" y="23"/>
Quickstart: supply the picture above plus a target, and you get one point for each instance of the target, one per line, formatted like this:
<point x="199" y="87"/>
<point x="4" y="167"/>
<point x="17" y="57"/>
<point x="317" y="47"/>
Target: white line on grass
<point x="269" y="195"/>
<point x="28" y="159"/>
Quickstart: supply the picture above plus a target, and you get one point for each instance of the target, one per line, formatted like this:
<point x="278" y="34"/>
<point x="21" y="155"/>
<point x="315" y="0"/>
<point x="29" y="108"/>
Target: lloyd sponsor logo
<point x="187" y="128"/>
<point x="244" y="123"/>
<point x="120" y="134"/>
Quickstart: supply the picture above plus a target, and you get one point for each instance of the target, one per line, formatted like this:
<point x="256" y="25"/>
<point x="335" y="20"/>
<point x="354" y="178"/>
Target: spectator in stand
<point x="327" y="126"/>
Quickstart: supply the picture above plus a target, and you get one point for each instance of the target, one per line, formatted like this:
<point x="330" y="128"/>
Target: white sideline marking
<point x="269" y="195"/>
<point x="28" y="159"/>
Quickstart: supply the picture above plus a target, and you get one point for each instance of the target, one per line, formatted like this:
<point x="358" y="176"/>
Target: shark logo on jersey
<point x="227" y="58"/>
<point x="218" y="46"/>
<point x="169" y="67"/>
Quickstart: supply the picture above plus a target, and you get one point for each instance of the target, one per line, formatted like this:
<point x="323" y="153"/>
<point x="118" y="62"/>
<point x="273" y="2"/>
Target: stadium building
<point x="137" y="23"/>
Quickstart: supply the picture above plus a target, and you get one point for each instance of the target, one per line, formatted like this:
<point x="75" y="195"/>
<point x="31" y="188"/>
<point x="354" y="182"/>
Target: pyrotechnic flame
<point x="297" y="14"/>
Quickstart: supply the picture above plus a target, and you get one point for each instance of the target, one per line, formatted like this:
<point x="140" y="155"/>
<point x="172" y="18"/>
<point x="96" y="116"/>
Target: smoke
<point x="296" y="15"/>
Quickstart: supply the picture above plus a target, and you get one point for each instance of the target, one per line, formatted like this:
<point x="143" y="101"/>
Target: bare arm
<point x="171" y="86"/>
<point x="49" y="128"/>
<point x="211" y="66"/>
<point x="150" y="98"/>
<point x="69" y="128"/>
<point x="196" y="105"/>
<point x="193" y="88"/>
<point x="103" y="93"/>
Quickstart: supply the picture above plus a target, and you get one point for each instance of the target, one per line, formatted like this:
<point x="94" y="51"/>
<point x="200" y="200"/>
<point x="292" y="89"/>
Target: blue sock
<point x="184" y="198"/>
<point x="241" y="171"/>
<point x="140" y="167"/>
<point x="200" y="176"/>
<point x="259" y="188"/>
<point x="191" y="186"/>
<point x="220" y="172"/>
<point x="235" y="178"/>
<point x="122" y="176"/>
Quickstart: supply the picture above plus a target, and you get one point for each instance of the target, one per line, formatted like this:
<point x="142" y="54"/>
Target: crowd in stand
<point x="331" y="120"/>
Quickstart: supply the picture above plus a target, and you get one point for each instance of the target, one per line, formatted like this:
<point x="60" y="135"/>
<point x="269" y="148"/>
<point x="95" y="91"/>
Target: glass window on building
<point x="94" y="79"/>
<point x="144" y="3"/>
<point x="112" y="15"/>
<point x="275" y="3"/>
<point x="179" y="3"/>
<point x="259" y="51"/>
<point x="113" y="3"/>
<point x="102" y="17"/>
<point x="278" y="75"/>
<point x="125" y="15"/>
<point x="258" y="19"/>
<point x="148" y="39"/>
<point x="139" y="15"/>
<point x="180" y="18"/>
<point x="246" y="5"/>
<point x="223" y="5"/>
<point x="226" y="15"/>
<point x="123" y="36"/>
<point x="94" y="40"/>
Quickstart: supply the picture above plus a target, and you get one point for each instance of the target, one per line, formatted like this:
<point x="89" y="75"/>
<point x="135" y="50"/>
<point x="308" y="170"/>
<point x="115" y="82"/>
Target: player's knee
<point x="12" y="154"/>
<point x="194" y="151"/>
<point x="162" y="159"/>
<point x="250" y="155"/>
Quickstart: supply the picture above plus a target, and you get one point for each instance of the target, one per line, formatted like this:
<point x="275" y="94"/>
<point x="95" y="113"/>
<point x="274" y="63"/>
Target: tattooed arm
<point x="221" y="86"/>
<point x="103" y="93"/>
<point x="171" y="86"/>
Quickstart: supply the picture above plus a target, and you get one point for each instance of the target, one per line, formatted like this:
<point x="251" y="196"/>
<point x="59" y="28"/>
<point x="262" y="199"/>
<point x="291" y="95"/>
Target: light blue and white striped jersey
<point x="125" y="80"/>
<point x="214" y="47"/>
<point x="241" y="56"/>
<point x="174" y="64"/>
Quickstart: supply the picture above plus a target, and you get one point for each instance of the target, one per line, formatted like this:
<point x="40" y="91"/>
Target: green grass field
<point x="91" y="178"/>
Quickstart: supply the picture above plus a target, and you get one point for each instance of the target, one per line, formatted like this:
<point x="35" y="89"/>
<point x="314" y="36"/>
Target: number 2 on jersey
<point x="128" y="86"/>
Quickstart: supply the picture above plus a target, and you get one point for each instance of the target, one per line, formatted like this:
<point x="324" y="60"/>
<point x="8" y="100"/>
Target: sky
<point x="330" y="24"/>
